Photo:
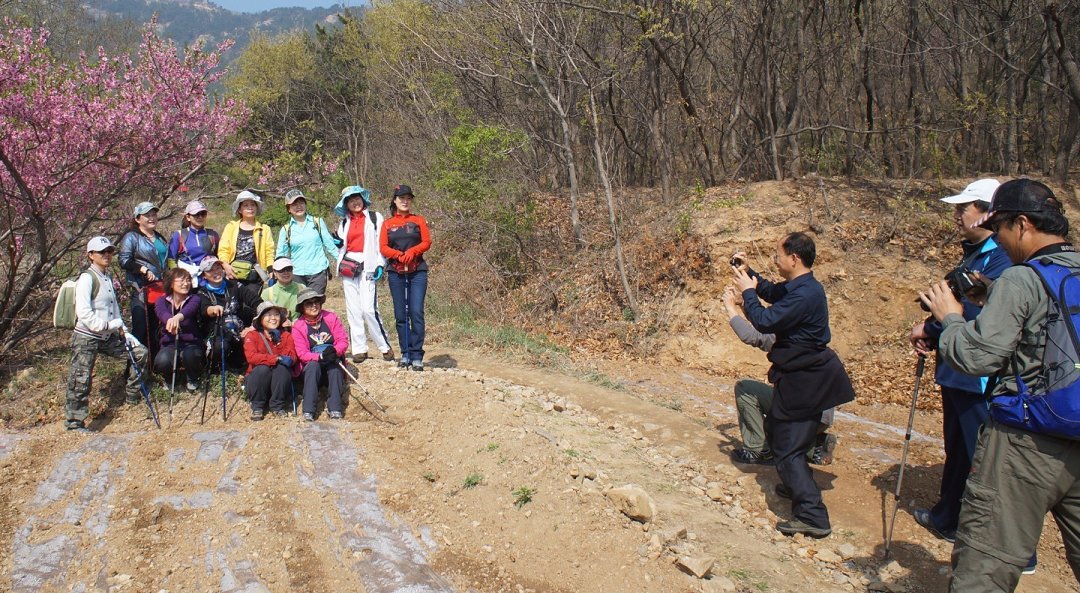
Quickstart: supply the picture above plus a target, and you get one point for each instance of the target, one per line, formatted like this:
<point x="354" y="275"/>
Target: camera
<point x="736" y="261"/>
<point x="962" y="282"/>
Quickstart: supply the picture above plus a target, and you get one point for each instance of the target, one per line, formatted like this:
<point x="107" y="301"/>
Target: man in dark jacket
<point x="807" y="376"/>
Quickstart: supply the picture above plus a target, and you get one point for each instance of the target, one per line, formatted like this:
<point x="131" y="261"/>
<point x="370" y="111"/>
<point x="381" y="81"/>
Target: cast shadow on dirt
<point x="114" y="388"/>
<point x="442" y="361"/>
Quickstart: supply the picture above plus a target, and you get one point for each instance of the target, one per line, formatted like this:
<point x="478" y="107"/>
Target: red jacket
<point x="256" y="354"/>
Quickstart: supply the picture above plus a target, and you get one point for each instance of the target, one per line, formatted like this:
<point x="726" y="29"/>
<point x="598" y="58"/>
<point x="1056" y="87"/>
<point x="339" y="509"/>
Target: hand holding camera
<point x="738" y="260"/>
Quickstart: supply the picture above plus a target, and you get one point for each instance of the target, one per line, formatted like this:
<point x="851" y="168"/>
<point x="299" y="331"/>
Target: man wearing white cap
<point x="99" y="327"/>
<point x="963" y="404"/>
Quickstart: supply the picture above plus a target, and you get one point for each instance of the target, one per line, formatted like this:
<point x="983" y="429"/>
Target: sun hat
<point x="246" y="196"/>
<point x="266" y="306"/>
<point x="306" y="295"/>
<point x="99" y="244"/>
<point x="982" y="189"/>
<point x="352" y="190"/>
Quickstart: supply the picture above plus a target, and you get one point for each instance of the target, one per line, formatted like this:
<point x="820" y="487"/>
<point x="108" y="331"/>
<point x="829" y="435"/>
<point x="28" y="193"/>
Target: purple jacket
<point x="189" y="327"/>
<point x="337" y="333"/>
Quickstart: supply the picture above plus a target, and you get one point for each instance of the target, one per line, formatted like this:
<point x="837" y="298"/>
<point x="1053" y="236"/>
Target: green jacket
<point x="1011" y="324"/>
<point x="284" y="296"/>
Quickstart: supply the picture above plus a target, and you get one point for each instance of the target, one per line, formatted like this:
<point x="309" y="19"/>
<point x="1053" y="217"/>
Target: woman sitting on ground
<point x="320" y="342"/>
<point x="272" y="362"/>
<point x="227" y="309"/>
<point x="178" y="316"/>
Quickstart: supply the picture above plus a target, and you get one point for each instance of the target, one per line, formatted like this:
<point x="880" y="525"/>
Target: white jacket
<point x="97" y="316"/>
<point x="371" y="257"/>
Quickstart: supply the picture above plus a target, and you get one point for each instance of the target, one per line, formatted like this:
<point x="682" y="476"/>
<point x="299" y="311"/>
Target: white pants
<point x="363" y="316"/>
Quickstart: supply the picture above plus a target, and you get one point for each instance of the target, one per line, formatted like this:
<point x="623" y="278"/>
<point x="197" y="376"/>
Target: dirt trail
<point x="492" y="480"/>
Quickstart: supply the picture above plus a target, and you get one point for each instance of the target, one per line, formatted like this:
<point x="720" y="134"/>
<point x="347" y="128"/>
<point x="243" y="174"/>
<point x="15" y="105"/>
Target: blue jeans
<point x="409" y="291"/>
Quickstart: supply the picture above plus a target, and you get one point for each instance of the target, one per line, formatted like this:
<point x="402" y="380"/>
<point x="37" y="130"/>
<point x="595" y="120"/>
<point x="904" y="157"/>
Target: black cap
<point x="1020" y="195"/>
<point x="402" y="190"/>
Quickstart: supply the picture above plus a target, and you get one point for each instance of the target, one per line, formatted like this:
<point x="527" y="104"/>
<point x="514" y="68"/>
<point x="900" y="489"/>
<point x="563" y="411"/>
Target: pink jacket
<point x="337" y="332"/>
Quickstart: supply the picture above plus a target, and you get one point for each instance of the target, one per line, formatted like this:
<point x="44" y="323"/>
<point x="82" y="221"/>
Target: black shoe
<point x="257" y="415"/>
<point x="388" y="355"/>
<point x="749" y="456"/>
<point x="404" y="363"/>
<point x="922" y="517"/>
<point x="796" y="526"/>
<point x="823" y="449"/>
<point x="783" y="491"/>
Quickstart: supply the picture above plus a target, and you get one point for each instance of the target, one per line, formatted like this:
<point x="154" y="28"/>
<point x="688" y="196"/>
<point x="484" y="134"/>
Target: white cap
<point x="282" y="263"/>
<point x="99" y="244"/>
<point x="982" y="189"/>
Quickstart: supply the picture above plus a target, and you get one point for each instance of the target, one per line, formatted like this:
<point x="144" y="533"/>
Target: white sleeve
<point x="84" y="305"/>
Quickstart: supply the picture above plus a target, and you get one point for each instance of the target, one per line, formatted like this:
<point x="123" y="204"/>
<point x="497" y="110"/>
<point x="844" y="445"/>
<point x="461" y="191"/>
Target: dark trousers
<point x="413" y="287"/>
<point x="190" y="358"/>
<point x="790" y="441"/>
<point x="335" y="385"/>
<point x="144" y="323"/>
<point x="269" y="386"/>
<point x="962" y="415"/>
<point x="316" y="282"/>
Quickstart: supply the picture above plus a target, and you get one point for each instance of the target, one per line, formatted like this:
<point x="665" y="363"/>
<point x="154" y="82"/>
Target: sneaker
<point x="1031" y="565"/>
<point x="404" y="363"/>
<point x="281" y="413"/>
<point x="823" y="449"/>
<point x="359" y="358"/>
<point x="191" y="386"/>
<point x="749" y="456"/>
<point x="417" y="365"/>
<point x="796" y="526"/>
<point x="257" y="415"/>
<point x="922" y="517"/>
<point x="388" y="355"/>
<point x="309" y="417"/>
<point x="336" y="415"/>
<point x="77" y="427"/>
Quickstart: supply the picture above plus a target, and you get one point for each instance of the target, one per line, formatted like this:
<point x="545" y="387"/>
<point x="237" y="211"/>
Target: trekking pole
<point x="367" y="395"/>
<point x="221" y="354"/>
<point x="142" y="384"/>
<point x="172" y="383"/>
<point x="919" y="366"/>
<point x="405" y="347"/>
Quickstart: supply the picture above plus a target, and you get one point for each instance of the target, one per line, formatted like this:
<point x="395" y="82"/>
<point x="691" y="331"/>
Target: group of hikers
<point x="1004" y="324"/>
<point x="201" y="300"/>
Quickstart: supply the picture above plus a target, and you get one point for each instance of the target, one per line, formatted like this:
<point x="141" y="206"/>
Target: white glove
<point x="115" y="324"/>
<point x="130" y="339"/>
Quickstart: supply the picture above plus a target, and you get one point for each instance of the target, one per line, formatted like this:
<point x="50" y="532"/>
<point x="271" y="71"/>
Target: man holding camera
<point x="963" y="405"/>
<point x="807" y="376"/>
<point x="1020" y="470"/>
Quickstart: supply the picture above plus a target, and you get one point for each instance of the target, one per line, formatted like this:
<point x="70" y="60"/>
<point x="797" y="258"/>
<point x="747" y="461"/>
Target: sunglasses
<point x="199" y="214"/>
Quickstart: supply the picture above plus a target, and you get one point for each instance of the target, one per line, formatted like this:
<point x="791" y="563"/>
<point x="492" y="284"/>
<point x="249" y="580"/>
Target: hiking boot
<point x="257" y="415"/>
<point x="823" y="449"/>
<point x="336" y="415"/>
<point x="388" y="355"/>
<point x="796" y="526"/>
<point x="417" y="365"/>
<point x="309" y="417"/>
<point x="749" y="456"/>
<point x="133" y="400"/>
<point x="77" y="427"/>
<point x="359" y="358"/>
<point x="922" y="517"/>
<point x="281" y="413"/>
<point x="405" y="362"/>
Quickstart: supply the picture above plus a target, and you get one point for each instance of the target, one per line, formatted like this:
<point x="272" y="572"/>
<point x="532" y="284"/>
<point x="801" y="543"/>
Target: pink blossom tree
<point x="80" y="143"/>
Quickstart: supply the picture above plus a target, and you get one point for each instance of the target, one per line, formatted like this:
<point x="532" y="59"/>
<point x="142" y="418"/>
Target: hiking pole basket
<point x="382" y="415"/>
<point x="919" y="367"/>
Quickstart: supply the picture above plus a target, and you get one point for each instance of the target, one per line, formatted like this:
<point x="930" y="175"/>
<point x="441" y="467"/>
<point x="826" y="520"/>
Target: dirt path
<point x="493" y="479"/>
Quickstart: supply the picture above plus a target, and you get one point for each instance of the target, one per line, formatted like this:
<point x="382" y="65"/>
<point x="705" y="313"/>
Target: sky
<point x="260" y="5"/>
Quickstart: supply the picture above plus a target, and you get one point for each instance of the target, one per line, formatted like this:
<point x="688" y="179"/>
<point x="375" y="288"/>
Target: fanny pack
<point x="243" y="269"/>
<point x="349" y="268"/>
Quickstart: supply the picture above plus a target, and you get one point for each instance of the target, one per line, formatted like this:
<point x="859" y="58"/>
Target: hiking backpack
<point x="1052" y="405"/>
<point x="64" y="316"/>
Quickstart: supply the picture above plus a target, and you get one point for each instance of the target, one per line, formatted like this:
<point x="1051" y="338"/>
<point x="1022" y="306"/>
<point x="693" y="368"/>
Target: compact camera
<point x="736" y="261"/>
<point x="963" y="282"/>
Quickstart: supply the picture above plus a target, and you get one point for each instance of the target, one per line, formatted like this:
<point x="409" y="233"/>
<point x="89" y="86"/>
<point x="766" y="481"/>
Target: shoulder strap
<point x="1052" y="274"/>
<point x="371" y="214"/>
<point x="183" y="240"/>
<point x="266" y="343"/>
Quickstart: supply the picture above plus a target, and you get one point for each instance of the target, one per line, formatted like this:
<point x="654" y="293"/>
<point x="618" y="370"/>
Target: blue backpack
<point x="1052" y="404"/>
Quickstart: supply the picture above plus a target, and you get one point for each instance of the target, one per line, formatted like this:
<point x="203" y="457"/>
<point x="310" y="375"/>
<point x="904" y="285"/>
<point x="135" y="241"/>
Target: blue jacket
<point x="990" y="260"/>
<point x="306" y="245"/>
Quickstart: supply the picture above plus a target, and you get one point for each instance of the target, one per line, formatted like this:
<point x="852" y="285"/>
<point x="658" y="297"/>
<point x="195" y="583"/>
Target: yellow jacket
<point x="264" y="244"/>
